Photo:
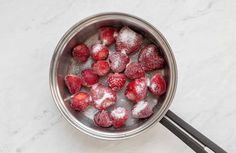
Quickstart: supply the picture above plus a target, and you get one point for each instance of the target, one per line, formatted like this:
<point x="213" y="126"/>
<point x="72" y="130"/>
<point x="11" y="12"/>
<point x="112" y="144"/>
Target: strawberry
<point x="73" y="83"/>
<point x="88" y="77"/>
<point x="80" y="101"/>
<point x="102" y="96"/>
<point x="81" y="53"/>
<point x="107" y="35"/>
<point x="118" y="61"/>
<point x="119" y="116"/>
<point x="136" y="90"/>
<point x="128" y="40"/>
<point x="142" y="110"/>
<point x="150" y="59"/>
<point x="99" y="52"/>
<point x="134" y="71"/>
<point x="116" y="81"/>
<point x="101" y="68"/>
<point x="102" y="119"/>
<point x="157" y="85"/>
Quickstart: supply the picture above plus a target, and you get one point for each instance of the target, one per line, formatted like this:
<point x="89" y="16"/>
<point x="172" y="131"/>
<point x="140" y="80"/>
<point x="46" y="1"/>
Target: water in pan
<point x="76" y="68"/>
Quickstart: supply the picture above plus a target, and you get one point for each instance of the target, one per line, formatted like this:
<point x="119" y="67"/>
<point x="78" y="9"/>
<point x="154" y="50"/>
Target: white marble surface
<point x="202" y="34"/>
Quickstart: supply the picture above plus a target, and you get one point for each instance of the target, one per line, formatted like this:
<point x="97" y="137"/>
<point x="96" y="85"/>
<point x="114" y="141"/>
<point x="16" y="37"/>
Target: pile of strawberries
<point x="121" y="69"/>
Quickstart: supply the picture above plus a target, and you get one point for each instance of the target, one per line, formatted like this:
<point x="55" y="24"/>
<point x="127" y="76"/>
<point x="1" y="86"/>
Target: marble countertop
<point x="201" y="33"/>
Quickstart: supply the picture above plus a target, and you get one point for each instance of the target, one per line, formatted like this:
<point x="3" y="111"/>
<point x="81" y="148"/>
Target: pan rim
<point x="107" y="135"/>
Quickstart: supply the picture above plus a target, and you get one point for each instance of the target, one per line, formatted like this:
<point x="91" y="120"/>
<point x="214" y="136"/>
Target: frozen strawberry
<point x="128" y="40"/>
<point x="102" y="119"/>
<point x="119" y="116"/>
<point x="101" y="68"/>
<point x="118" y="61"/>
<point x="142" y="110"/>
<point x="134" y="70"/>
<point x="102" y="96"/>
<point x="99" y="52"/>
<point x="89" y="77"/>
<point x="80" y="101"/>
<point x="116" y="81"/>
<point x="150" y="59"/>
<point x="136" y="90"/>
<point x="73" y="83"/>
<point x="81" y="53"/>
<point x="157" y="85"/>
<point x="107" y="35"/>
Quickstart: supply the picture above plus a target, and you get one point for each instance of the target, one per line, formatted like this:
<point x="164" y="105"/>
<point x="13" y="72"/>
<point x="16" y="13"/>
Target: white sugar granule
<point x="96" y="48"/>
<point x="128" y="37"/>
<point x="105" y="96"/>
<point x="149" y="51"/>
<point x="119" y="112"/>
<point x="139" y="107"/>
<point x="90" y="112"/>
<point x="153" y="86"/>
<point x="148" y="82"/>
<point x="139" y="88"/>
<point x="123" y="52"/>
<point x="115" y="65"/>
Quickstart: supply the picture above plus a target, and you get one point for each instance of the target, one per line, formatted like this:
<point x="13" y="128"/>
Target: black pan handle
<point x="190" y="136"/>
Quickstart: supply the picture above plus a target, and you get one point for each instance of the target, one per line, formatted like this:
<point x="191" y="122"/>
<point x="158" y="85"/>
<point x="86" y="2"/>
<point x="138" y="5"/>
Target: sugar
<point x="90" y="112"/>
<point x="116" y="64"/>
<point x="105" y="96"/>
<point x="153" y="86"/>
<point x="149" y="51"/>
<point x="119" y="112"/>
<point x="148" y="82"/>
<point x="123" y="52"/>
<point x="139" y="88"/>
<point x="128" y="37"/>
<point x="96" y="48"/>
<point x="139" y="107"/>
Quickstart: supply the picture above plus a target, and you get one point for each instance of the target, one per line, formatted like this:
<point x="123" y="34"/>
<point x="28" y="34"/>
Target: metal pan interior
<point x="62" y="64"/>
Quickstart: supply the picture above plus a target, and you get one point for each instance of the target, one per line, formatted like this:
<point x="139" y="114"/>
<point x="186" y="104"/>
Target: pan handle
<point x="190" y="136"/>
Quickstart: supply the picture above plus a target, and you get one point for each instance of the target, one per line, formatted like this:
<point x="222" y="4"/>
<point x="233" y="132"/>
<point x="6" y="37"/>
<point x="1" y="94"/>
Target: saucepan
<point x="62" y="64"/>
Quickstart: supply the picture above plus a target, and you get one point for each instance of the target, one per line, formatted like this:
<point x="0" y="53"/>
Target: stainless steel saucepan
<point x="62" y="64"/>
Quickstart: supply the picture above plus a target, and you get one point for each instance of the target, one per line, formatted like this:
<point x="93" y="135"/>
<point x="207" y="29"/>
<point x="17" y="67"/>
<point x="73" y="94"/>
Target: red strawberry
<point x="134" y="70"/>
<point x="81" y="53"/>
<point x="118" y="61"/>
<point x="157" y="85"/>
<point x="73" y="83"/>
<point x="150" y="59"/>
<point x="119" y="116"/>
<point x="102" y="96"/>
<point x="80" y="101"/>
<point x="136" y="90"/>
<point x="142" y="110"/>
<point x="128" y="40"/>
<point x="107" y="35"/>
<point x="102" y="119"/>
<point x="89" y="77"/>
<point x="101" y="68"/>
<point x="99" y="52"/>
<point x="116" y="81"/>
